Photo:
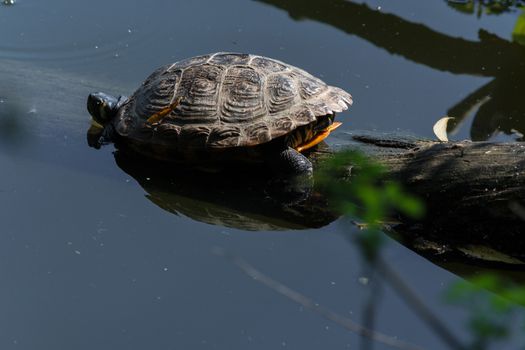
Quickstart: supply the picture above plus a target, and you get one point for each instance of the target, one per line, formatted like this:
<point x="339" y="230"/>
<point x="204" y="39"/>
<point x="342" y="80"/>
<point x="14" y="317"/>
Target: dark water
<point x="91" y="258"/>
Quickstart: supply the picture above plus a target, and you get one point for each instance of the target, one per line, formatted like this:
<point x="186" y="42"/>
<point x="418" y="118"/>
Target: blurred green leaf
<point x="518" y="34"/>
<point x="491" y="303"/>
<point x="356" y="185"/>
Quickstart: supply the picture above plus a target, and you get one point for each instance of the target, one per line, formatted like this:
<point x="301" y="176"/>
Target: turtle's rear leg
<point x="294" y="174"/>
<point x="291" y="162"/>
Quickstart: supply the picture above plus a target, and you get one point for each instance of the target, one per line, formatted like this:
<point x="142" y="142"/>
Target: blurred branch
<point x="419" y="307"/>
<point x="309" y="304"/>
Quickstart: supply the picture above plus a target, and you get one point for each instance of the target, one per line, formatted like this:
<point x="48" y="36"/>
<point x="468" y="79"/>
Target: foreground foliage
<point x="358" y="188"/>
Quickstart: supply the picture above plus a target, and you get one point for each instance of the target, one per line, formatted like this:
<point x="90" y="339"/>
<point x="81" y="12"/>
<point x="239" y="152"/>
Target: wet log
<point x="473" y="191"/>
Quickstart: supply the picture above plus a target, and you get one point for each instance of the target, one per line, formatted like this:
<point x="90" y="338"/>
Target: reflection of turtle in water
<point x="236" y="199"/>
<point x="224" y="107"/>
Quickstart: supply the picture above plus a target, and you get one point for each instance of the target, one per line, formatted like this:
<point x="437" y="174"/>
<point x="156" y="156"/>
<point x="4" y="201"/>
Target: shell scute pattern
<point x="242" y="97"/>
<point x="269" y="65"/>
<point x="304" y="115"/>
<point x="229" y="100"/>
<point x="258" y="133"/>
<point x="319" y="107"/>
<point x="282" y="93"/>
<point x="194" y="136"/>
<point x="310" y="86"/>
<point x="155" y="94"/>
<point x="224" y="136"/>
<point x="283" y="124"/>
<point x="168" y="131"/>
<point x="335" y="102"/>
<point x="230" y="58"/>
<point x="188" y="62"/>
<point x="199" y="91"/>
<point x="344" y="98"/>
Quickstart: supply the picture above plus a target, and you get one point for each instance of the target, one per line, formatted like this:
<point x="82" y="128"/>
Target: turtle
<point x="223" y="108"/>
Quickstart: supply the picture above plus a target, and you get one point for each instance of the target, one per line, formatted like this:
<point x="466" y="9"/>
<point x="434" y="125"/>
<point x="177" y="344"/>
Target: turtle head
<point x="103" y="107"/>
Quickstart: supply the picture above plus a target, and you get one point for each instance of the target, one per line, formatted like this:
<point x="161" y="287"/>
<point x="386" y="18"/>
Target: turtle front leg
<point x="291" y="162"/>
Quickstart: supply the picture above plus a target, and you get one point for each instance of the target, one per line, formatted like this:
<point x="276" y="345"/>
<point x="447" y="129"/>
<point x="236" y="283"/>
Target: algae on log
<point x="473" y="191"/>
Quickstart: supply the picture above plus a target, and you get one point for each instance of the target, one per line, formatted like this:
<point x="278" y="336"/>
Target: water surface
<point x="91" y="260"/>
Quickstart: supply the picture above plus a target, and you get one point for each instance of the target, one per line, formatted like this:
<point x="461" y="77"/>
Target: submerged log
<point x="473" y="191"/>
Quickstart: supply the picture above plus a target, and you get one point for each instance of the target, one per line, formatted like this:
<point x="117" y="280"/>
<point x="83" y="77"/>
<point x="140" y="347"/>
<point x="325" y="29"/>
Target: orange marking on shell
<point x="157" y="117"/>
<point x="318" y="138"/>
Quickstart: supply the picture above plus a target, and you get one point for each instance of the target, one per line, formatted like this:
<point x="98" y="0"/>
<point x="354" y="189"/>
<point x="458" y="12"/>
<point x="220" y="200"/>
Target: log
<point x="473" y="191"/>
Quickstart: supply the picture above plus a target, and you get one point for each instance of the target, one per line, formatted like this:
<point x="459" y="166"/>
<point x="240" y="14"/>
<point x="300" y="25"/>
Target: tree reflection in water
<point x="489" y="7"/>
<point x="498" y="103"/>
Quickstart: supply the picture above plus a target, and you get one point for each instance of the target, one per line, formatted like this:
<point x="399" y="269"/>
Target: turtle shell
<point x="225" y="100"/>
